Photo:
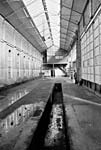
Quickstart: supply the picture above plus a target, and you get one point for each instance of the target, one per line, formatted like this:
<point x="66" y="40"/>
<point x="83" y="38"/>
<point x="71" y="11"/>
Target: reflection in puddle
<point x="20" y="115"/>
<point x="12" y="98"/>
<point x="37" y="112"/>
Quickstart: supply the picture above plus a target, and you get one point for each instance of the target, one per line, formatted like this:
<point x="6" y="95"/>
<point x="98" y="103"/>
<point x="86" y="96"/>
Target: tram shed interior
<point x="42" y="43"/>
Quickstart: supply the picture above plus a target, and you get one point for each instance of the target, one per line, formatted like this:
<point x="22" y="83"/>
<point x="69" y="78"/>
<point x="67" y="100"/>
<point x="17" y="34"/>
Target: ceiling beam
<point x="18" y="9"/>
<point x="70" y="36"/>
<point x="47" y="18"/>
<point x="69" y="21"/>
<point x="62" y="33"/>
<point x="63" y="5"/>
<point x="66" y="29"/>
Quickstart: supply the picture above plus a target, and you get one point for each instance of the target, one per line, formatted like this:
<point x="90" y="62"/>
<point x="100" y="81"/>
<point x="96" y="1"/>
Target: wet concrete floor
<point x="21" y="109"/>
<point x="53" y="134"/>
<point x="20" y="118"/>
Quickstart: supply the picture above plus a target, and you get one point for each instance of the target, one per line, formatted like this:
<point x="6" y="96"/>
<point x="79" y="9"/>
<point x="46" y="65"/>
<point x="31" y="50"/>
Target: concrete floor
<point x="21" y="108"/>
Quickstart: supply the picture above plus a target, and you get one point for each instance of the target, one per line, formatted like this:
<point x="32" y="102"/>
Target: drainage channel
<point x="51" y="132"/>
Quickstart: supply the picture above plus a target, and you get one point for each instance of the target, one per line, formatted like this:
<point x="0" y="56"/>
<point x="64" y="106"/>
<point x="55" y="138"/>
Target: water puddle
<point x="37" y="112"/>
<point x="21" y="115"/>
<point x="12" y="98"/>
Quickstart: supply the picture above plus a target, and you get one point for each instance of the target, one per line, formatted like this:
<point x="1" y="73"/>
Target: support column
<point x="78" y="56"/>
<point x="53" y="71"/>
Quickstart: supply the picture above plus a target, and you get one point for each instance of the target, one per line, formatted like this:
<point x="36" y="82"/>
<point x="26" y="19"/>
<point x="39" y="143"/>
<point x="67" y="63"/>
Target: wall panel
<point x="1" y="27"/>
<point x="17" y="38"/>
<point x="91" y="52"/>
<point x="19" y="60"/>
<point x="8" y="33"/>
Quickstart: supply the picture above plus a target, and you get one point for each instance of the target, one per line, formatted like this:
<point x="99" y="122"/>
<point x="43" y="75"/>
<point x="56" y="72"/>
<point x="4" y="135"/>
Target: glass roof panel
<point x="67" y="3"/>
<point x="54" y="16"/>
<point x="56" y="20"/>
<point x="36" y="9"/>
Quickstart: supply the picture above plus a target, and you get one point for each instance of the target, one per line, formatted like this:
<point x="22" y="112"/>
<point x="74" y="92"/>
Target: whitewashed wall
<point x="19" y="60"/>
<point x="91" y="52"/>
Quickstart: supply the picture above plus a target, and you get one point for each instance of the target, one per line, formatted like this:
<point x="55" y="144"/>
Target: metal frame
<point x="47" y="18"/>
<point x="72" y="9"/>
<point x="69" y="21"/>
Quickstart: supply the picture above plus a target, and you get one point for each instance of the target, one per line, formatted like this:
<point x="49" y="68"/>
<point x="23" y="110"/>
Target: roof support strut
<point x="47" y="17"/>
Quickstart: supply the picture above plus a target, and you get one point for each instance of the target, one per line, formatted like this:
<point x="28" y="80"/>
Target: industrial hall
<point x="50" y="74"/>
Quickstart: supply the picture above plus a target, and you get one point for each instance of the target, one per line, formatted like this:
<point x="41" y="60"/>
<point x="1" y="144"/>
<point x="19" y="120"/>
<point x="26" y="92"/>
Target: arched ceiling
<point x="70" y="14"/>
<point x="45" y="23"/>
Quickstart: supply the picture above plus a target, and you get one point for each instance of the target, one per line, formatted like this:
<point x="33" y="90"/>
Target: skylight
<point x="46" y="16"/>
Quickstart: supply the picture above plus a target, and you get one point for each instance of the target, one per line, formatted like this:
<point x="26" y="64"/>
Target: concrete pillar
<point x="53" y="71"/>
<point x="78" y="55"/>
